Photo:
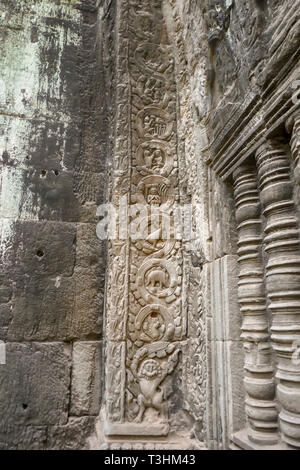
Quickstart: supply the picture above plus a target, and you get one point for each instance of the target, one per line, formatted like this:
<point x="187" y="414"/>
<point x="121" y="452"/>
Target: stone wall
<point x="54" y="117"/>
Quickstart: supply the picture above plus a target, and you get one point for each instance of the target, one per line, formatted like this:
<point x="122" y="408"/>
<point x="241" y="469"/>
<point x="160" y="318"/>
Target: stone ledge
<point x="136" y="429"/>
<point x="241" y="441"/>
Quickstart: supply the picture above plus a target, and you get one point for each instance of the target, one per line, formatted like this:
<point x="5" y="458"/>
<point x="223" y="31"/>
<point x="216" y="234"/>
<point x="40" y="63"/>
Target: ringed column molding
<point x="282" y="278"/>
<point x="259" y="381"/>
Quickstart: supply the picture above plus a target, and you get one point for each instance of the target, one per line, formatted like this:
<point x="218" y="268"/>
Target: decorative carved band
<point x="259" y="381"/>
<point x="144" y="320"/>
<point x="118" y="252"/>
<point x="282" y="278"/>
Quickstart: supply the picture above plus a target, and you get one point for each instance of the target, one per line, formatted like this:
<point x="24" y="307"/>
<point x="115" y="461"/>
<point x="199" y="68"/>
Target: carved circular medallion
<point x="156" y="235"/>
<point x="155" y="191"/>
<point x="153" y="158"/>
<point x="159" y="279"/>
<point x="154" y="58"/>
<point x="154" y="327"/>
<point x="154" y="91"/>
<point x="154" y="123"/>
<point x="154" y="323"/>
<point x="150" y="369"/>
<point x="144" y="24"/>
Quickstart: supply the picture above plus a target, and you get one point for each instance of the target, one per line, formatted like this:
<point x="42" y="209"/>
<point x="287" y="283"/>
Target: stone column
<point x="293" y="128"/>
<point x="282" y="278"/>
<point x="259" y="380"/>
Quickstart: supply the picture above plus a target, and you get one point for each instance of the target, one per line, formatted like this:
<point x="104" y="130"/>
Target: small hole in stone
<point x="40" y="253"/>
<point x="27" y="157"/>
<point x="44" y="172"/>
<point x="56" y="172"/>
<point x="25" y="406"/>
<point x="153" y="315"/>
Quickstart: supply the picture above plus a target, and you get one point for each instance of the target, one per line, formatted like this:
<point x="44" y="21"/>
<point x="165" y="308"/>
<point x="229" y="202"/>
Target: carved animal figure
<point x="159" y="278"/>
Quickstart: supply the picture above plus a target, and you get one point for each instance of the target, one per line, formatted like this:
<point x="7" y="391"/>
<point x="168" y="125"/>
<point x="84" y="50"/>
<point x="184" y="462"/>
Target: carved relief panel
<point x="144" y="321"/>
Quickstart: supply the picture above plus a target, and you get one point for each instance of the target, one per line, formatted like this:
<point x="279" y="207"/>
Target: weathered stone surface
<point x="87" y="319"/>
<point x="35" y="385"/>
<point x="40" y="262"/>
<point x="59" y="301"/>
<point x="86" y="379"/>
<point x="23" y="437"/>
<point x="42" y="309"/>
<point x="53" y="147"/>
<point x="43" y="248"/>
<point x="72" y="436"/>
<point x="225" y="395"/>
<point x="89" y="278"/>
<point x="90" y="250"/>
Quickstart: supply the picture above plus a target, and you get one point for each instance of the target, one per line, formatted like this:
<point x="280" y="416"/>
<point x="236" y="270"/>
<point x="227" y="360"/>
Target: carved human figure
<point x="153" y="196"/>
<point x="148" y="158"/>
<point x="151" y="375"/>
<point x="154" y="58"/>
<point x="157" y="161"/>
<point x="159" y="127"/>
<point x="147" y="123"/>
<point x="154" y="158"/>
<point x="154" y="126"/>
<point x="153" y="91"/>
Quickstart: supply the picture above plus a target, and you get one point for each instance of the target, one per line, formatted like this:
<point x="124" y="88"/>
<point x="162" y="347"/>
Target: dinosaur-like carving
<point x="158" y="277"/>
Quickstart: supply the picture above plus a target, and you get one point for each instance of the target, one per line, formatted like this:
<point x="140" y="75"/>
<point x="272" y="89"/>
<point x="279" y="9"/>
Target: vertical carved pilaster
<point x="145" y="323"/>
<point x="118" y="253"/>
<point x="259" y="381"/>
<point x="293" y="127"/>
<point x="282" y="278"/>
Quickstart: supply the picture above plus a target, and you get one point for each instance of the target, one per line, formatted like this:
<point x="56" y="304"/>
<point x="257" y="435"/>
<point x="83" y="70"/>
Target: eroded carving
<point x="218" y="18"/>
<point x="151" y="374"/>
<point x="154" y="123"/>
<point x="146" y="318"/>
<point x="154" y="157"/>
